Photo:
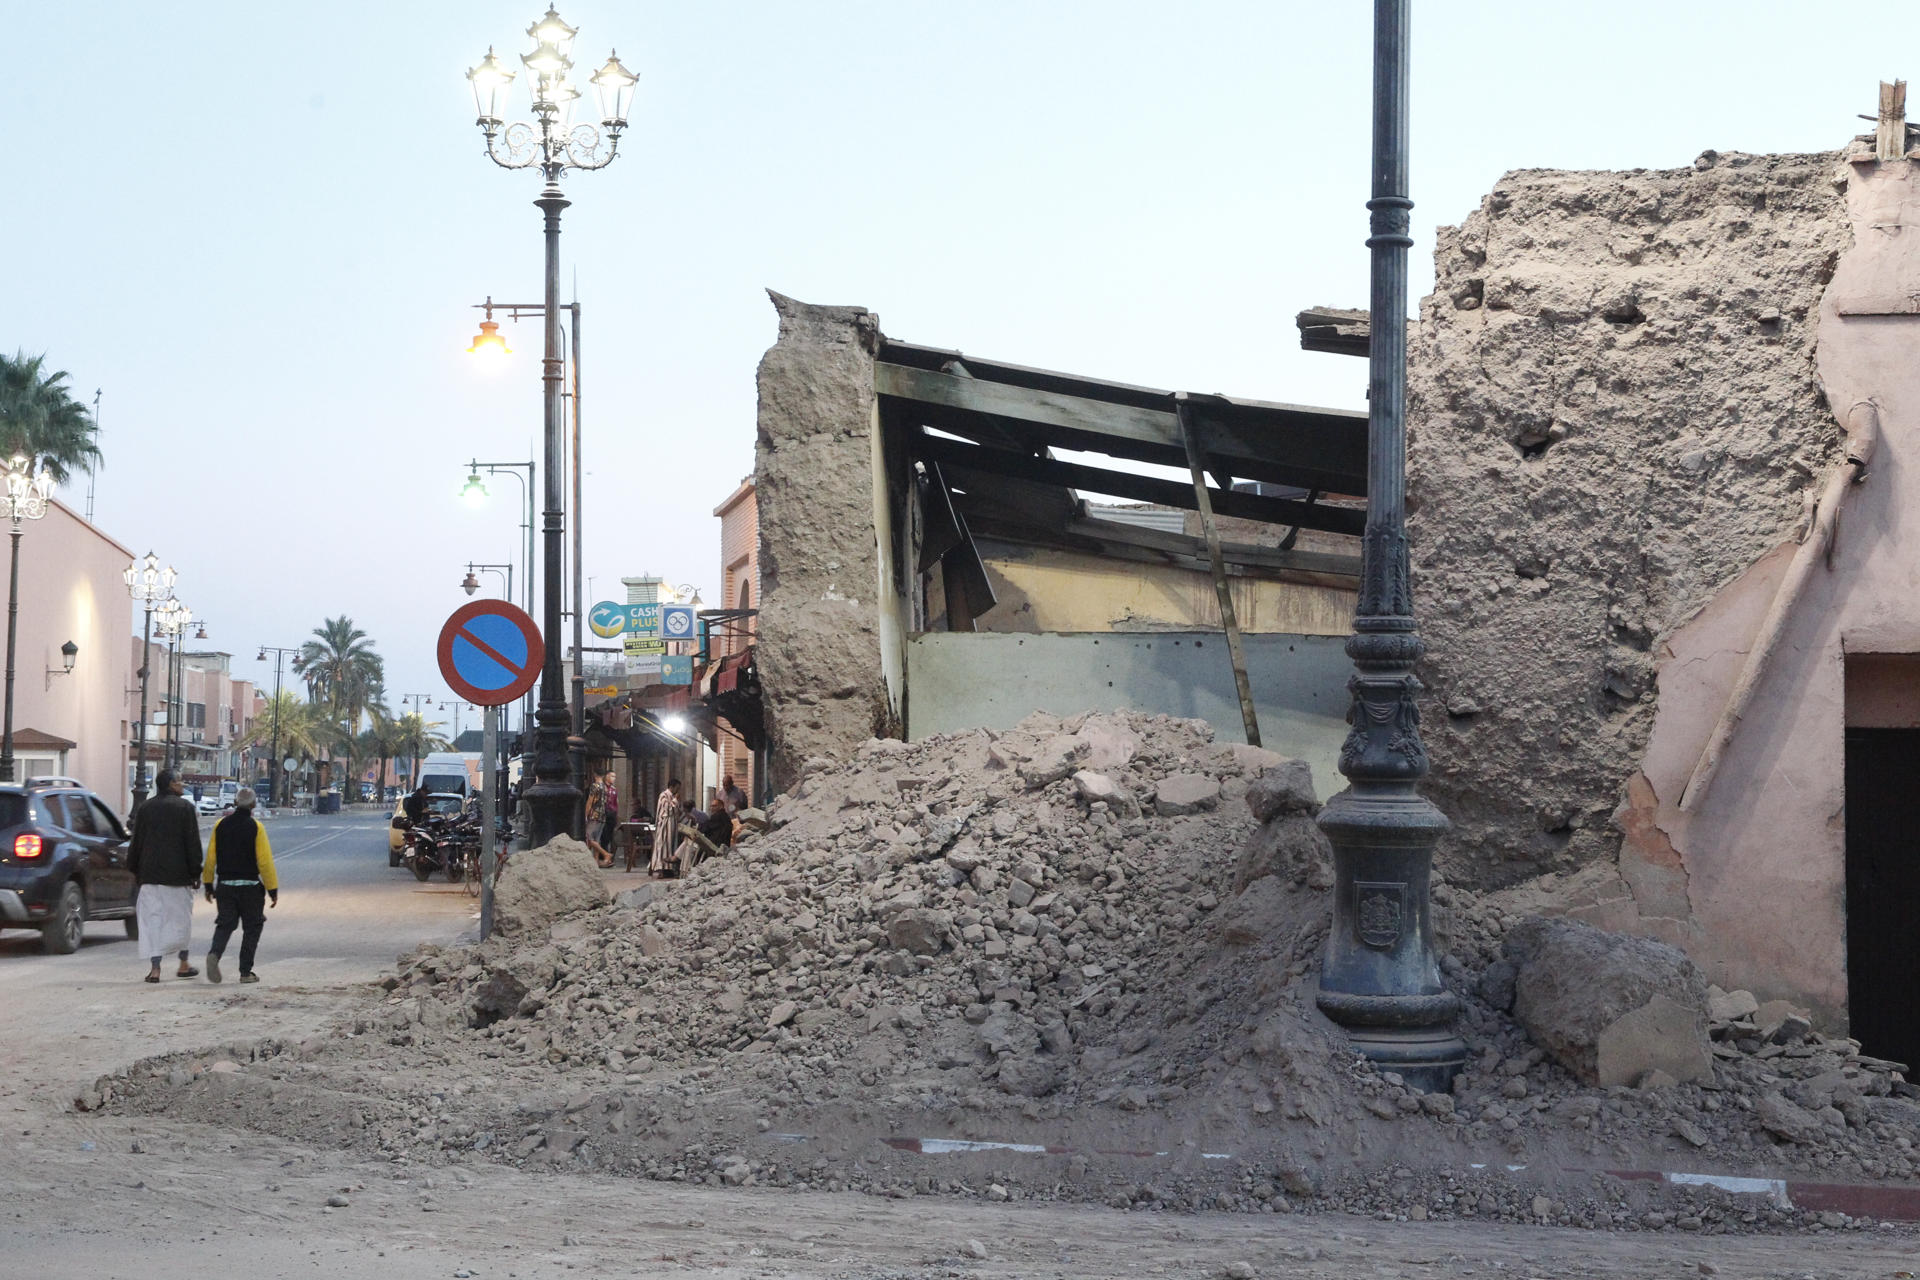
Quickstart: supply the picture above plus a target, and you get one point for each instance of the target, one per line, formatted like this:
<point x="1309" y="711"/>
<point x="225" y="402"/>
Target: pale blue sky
<point x="260" y="228"/>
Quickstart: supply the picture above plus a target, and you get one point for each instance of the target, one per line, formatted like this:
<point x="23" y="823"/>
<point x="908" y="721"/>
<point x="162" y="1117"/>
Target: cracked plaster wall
<point x="1621" y="386"/>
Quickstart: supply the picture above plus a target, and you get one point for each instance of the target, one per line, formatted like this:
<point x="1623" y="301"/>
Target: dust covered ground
<point x="1061" y="975"/>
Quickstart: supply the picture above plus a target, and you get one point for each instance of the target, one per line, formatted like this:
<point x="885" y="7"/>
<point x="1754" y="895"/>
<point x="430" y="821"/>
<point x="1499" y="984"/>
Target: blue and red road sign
<point x="490" y="652"/>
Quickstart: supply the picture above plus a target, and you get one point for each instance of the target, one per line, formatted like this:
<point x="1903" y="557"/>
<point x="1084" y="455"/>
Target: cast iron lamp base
<point x="1379" y="978"/>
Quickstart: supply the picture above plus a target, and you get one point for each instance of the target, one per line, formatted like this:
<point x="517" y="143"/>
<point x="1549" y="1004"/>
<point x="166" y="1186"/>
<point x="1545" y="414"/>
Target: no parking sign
<point x="490" y="652"/>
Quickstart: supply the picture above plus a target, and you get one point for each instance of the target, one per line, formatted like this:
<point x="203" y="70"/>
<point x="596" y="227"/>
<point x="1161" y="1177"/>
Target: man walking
<point x="239" y="878"/>
<point x="164" y="856"/>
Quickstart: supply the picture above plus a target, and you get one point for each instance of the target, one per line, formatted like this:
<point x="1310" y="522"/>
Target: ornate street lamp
<point x="173" y="618"/>
<point x="146" y="582"/>
<point x="1379" y="978"/>
<point x="553" y="144"/>
<point x="28" y="489"/>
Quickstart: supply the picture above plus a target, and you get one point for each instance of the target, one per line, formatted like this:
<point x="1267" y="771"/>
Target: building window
<point x="196" y="715"/>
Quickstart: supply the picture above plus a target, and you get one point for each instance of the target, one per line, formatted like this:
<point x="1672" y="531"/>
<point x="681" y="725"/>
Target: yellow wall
<point x="1046" y="590"/>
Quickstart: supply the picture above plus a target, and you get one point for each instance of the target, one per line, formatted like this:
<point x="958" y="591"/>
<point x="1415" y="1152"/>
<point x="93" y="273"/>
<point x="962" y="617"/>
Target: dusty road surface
<point x="102" y="1196"/>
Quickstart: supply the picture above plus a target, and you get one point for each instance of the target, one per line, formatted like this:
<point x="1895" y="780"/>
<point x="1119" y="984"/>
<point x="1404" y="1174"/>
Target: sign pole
<point x="489" y="801"/>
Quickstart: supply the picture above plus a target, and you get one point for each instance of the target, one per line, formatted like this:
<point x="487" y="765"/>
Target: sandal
<point x="188" y="972"/>
<point x="153" y="977"/>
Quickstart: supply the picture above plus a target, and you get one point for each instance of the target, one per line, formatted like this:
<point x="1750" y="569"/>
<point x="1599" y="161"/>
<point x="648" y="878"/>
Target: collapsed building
<point x="1638" y="401"/>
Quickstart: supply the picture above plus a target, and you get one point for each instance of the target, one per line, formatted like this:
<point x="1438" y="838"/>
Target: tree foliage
<point x="40" y="418"/>
<point x="343" y="671"/>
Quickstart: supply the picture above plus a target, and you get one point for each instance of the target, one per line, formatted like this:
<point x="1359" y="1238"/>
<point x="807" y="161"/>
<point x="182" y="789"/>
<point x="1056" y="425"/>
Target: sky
<point x="260" y="229"/>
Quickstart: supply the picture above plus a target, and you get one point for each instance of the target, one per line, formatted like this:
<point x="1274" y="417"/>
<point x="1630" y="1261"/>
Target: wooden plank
<point x="1229" y="621"/>
<point x="957" y="457"/>
<point x="1335" y="330"/>
<point x="1890" y="138"/>
<point x="1247" y="554"/>
<point x="998" y="399"/>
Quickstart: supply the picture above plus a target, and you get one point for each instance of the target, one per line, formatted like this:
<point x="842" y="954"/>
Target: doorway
<point x="1883" y="890"/>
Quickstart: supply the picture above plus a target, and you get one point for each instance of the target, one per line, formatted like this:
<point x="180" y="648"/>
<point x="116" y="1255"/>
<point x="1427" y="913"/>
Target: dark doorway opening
<point x="1883" y="891"/>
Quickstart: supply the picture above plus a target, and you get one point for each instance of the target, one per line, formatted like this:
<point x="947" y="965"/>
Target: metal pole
<point x="489" y="784"/>
<point x="273" y="765"/>
<point x="13" y="620"/>
<point x="140" y="770"/>
<point x="552" y="796"/>
<point x="1379" y="977"/>
<point x="167" y="739"/>
<point x="577" y="694"/>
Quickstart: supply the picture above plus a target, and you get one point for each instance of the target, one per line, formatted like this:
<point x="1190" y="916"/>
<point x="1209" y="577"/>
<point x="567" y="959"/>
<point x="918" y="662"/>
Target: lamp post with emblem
<point x="148" y="584"/>
<point x="1379" y="977"/>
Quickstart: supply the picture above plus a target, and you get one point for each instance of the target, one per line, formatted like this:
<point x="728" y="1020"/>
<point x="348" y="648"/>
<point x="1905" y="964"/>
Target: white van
<point x="446" y="774"/>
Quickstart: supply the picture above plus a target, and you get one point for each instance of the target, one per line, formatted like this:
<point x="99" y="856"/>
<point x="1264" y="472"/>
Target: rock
<point x="1099" y="788"/>
<point x="1019" y="893"/>
<point x="1729" y="1006"/>
<point x="1774" y="1015"/>
<point x="1056" y="758"/>
<point x="644" y="895"/>
<point x="1496" y="984"/>
<point x="1290" y="846"/>
<point x="1185" y="793"/>
<point x="1110" y="744"/>
<point x="1298" y="1180"/>
<point x="544" y="884"/>
<point x="1238" y="1271"/>
<point x="1283" y="788"/>
<point x="920" y="931"/>
<point x="1689" y="1132"/>
<point x="496" y="998"/>
<point x="1609" y="1007"/>
<point x="1251" y="759"/>
<point x="337" y="1201"/>
<point x="974" y="1249"/>
<point x="1028" y="1077"/>
<point x="1784" y="1120"/>
<point x="781" y="1014"/>
<point x="650" y="940"/>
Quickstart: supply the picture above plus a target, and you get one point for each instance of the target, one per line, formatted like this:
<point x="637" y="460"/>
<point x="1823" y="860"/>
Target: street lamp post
<point x="28" y="489"/>
<point x="553" y="144"/>
<point x="475" y="491"/>
<point x="146" y="582"/>
<point x="419" y="701"/>
<point x="1379" y="977"/>
<point x="471" y="584"/>
<point x="174" y="618"/>
<point x="274" y="772"/>
<point x="489" y="342"/>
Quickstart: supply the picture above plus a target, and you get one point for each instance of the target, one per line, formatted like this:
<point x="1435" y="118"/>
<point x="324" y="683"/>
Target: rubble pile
<point x="1094" y="938"/>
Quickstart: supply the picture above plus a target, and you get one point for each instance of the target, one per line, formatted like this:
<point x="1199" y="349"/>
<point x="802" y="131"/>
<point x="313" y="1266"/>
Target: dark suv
<point x="63" y="861"/>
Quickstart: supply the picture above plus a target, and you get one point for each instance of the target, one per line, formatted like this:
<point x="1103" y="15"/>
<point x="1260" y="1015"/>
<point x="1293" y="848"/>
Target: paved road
<point x="344" y="914"/>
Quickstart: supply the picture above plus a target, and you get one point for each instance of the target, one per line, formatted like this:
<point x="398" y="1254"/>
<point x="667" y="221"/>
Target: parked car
<point x="213" y="802"/>
<point x="444" y="803"/>
<point x="63" y="862"/>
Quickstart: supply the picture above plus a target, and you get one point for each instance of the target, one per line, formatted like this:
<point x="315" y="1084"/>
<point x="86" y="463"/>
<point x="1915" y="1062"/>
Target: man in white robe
<point x="165" y="856"/>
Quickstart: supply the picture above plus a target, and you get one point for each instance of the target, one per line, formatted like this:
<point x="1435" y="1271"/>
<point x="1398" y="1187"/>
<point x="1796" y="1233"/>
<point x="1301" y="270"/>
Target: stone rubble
<point x="1008" y="938"/>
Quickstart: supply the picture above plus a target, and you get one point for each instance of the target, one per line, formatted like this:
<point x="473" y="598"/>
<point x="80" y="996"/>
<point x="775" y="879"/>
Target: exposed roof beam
<point x="957" y="458"/>
<point x="1323" y="449"/>
<point x="1342" y="332"/>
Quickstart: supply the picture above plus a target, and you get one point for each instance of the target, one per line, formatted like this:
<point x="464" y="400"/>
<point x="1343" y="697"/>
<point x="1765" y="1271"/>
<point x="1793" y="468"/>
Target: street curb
<point x="1856" y="1200"/>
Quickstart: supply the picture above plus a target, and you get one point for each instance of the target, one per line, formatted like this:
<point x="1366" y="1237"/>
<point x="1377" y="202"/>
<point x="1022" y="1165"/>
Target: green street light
<point x="474" y="490"/>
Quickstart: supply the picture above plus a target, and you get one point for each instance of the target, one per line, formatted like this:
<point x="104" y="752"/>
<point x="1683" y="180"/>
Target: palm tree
<point x="40" y="418"/>
<point x="302" y="729"/>
<point x="342" y="670"/>
<point x="416" y="737"/>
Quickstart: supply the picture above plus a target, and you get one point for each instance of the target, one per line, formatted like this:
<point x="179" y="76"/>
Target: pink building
<point x="71" y="591"/>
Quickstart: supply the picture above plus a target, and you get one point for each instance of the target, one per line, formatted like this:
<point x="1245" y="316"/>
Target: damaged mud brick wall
<point x="1614" y="411"/>
<point x="818" y="641"/>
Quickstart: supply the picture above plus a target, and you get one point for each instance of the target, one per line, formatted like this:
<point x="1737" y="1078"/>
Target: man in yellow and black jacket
<point x="239" y="877"/>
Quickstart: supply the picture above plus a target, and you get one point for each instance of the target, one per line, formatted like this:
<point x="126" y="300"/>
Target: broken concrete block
<point x="1787" y="1122"/>
<point x="1098" y="787"/>
<point x="1729" y="1006"/>
<point x="1057" y="757"/>
<point x="1283" y="788"/>
<point x="1578" y="988"/>
<point x="920" y="931"/>
<point x="1290" y="846"/>
<point x="555" y="880"/>
<point x="1185" y="793"/>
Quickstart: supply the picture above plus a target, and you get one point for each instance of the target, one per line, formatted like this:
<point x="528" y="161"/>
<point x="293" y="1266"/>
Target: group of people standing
<point x="675" y="854"/>
<point x="235" y="871"/>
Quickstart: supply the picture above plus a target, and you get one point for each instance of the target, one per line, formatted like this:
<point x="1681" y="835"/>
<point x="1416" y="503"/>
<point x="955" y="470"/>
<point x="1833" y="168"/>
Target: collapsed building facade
<point x="1639" y="401"/>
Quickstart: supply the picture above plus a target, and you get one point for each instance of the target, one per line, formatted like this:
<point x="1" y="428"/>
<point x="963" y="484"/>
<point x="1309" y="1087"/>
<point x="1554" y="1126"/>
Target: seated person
<point x="717" y="826"/>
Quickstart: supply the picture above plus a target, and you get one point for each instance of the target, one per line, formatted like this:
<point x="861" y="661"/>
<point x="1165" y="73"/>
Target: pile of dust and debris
<point x="1095" y="938"/>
